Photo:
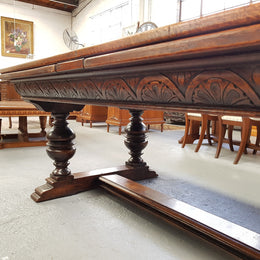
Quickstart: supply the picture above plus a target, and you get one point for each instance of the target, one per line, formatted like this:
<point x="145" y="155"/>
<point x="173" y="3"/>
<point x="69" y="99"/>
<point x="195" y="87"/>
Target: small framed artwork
<point x="16" y="37"/>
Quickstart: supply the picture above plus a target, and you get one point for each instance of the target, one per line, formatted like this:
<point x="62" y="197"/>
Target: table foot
<point x="83" y="181"/>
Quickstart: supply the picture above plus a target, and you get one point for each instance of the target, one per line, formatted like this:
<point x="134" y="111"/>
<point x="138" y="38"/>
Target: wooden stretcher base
<point x="225" y="234"/>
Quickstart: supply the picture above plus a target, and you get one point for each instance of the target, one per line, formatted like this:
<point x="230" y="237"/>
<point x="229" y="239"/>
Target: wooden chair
<point x="254" y="121"/>
<point x="205" y="120"/>
<point x="246" y="124"/>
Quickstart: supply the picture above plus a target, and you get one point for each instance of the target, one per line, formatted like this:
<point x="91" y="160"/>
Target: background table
<point x="23" y="138"/>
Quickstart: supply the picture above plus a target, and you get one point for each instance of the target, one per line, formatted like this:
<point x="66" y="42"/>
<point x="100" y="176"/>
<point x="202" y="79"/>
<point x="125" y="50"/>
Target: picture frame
<point x="16" y="37"/>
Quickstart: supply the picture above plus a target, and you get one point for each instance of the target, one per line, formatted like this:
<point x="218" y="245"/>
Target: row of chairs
<point x="222" y="124"/>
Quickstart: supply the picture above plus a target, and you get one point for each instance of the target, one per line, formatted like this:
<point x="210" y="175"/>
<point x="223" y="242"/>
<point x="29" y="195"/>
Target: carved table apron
<point x="208" y="65"/>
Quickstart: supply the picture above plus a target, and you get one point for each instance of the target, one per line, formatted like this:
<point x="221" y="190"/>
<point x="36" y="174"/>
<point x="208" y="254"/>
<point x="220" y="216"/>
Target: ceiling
<point x="64" y="5"/>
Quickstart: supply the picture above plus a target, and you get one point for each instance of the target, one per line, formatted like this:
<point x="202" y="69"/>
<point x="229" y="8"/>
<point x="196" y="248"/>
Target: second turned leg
<point x="136" y="143"/>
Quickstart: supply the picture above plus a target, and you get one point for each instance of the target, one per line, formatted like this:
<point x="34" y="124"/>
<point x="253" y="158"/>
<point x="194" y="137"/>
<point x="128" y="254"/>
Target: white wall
<point x="49" y="25"/>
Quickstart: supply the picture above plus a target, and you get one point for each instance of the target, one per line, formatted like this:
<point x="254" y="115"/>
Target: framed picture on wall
<point x="16" y="37"/>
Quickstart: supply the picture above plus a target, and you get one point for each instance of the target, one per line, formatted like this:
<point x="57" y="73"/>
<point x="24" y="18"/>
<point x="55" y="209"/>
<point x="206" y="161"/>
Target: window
<point x="191" y="9"/>
<point x="108" y="25"/>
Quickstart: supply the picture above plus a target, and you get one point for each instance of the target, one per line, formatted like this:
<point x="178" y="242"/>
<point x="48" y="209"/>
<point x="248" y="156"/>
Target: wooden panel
<point x="70" y="65"/>
<point x="218" y="43"/>
<point x="29" y="73"/>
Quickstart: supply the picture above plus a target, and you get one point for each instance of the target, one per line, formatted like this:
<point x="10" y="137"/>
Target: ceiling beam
<point x="64" y="5"/>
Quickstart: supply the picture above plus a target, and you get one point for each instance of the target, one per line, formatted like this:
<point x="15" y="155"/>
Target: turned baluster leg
<point x="43" y="121"/>
<point x="23" y="128"/>
<point x="136" y="139"/>
<point x="60" y="146"/>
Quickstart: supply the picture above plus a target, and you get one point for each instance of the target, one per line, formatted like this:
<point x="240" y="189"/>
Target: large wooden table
<point x="209" y="65"/>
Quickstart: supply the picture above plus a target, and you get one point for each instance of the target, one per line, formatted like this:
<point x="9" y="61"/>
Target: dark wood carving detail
<point x="118" y="90"/>
<point x="60" y="146"/>
<point x="136" y="139"/>
<point x="221" y="88"/>
<point x="159" y="89"/>
<point x="87" y="89"/>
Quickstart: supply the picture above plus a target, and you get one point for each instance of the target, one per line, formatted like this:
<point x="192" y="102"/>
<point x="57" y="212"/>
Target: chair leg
<point x="230" y="137"/>
<point x="245" y="150"/>
<point x="244" y="139"/>
<point x="257" y="138"/>
<point x="10" y="122"/>
<point x="202" y="132"/>
<point x="187" y="127"/>
<point x="222" y="131"/>
<point x="208" y="132"/>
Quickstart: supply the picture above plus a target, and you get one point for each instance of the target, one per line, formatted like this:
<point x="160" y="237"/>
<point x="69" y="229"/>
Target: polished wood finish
<point x="136" y="139"/>
<point x="121" y="117"/>
<point x="60" y="145"/>
<point x="245" y="124"/>
<point x="8" y="92"/>
<point x="186" y="216"/>
<point x="210" y="65"/>
<point x="90" y="114"/>
<point x="23" y="138"/>
<point x="228" y="20"/>
<point x="78" y="182"/>
<point x="205" y="120"/>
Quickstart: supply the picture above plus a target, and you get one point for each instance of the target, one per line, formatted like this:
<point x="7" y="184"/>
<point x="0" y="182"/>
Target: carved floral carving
<point x="159" y="89"/>
<point x="86" y="89"/>
<point x="220" y="88"/>
<point x="117" y="89"/>
<point x="208" y="88"/>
